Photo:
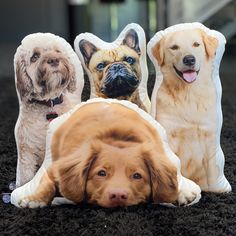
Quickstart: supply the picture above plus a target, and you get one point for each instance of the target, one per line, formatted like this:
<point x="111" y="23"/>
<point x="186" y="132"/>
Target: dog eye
<point x="35" y="57"/>
<point x="174" y="47"/>
<point x="196" y="44"/>
<point x="137" y="176"/>
<point x="102" y="173"/>
<point x="130" y="60"/>
<point x="101" y="66"/>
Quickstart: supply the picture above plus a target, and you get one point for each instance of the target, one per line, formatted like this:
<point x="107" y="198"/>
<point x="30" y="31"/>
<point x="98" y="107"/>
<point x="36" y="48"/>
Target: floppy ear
<point x="163" y="176"/>
<point x="72" y="171"/>
<point x="72" y="79"/>
<point x="23" y="81"/>
<point x="87" y="49"/>
<point x="131" y="40"/>
<point x="158" y="52"/>
<point x="210" y="44"/>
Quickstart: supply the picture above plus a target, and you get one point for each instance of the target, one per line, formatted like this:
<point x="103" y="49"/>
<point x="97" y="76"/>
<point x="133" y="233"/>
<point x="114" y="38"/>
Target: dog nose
<point x="43" y="83"/>
<point x="189" y="60"/>
<point x="118" y="196"/>
<point x="53" y="61"/>
<point x="116" y="67"/>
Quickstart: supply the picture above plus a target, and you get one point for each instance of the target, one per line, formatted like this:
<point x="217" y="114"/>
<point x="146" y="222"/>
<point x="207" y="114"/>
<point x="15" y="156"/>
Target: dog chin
<point x="188" y="76"/>
<point x="116" y="93"/>
<point x="106" y="204"/>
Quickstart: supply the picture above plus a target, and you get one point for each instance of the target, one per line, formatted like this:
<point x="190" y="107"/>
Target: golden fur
<point x="187" y="110"/>
<point x="108" y="155"/>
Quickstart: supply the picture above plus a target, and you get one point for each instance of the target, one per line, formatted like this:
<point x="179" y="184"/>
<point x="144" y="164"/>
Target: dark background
<point x="215" y="214"/>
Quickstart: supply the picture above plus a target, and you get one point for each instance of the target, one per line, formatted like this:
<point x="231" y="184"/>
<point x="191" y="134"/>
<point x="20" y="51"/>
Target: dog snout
<point x="116" y="67"/>
<point x="189" y="60"/>
<point x="53" y="62"/>
<point x="118" y="196"/>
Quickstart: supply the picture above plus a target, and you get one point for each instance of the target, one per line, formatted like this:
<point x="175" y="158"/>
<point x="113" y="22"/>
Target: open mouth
<point x="188" y="76"/>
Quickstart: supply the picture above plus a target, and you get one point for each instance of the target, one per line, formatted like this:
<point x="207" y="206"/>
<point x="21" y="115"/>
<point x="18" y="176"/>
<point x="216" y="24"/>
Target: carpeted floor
<point x="213" y="215"/>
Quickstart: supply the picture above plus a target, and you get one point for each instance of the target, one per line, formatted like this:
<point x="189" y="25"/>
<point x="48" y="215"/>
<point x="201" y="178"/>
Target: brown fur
<point x="114" y="139"/>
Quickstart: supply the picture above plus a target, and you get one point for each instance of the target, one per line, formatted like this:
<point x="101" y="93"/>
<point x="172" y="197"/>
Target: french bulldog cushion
<point x="117" y="69"/>
<point x="186" y="99"/>
<point x="74" y="169"/>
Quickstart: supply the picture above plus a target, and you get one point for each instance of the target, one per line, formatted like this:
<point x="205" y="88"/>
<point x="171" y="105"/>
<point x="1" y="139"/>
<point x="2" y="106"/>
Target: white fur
<point x="31" y="126"/>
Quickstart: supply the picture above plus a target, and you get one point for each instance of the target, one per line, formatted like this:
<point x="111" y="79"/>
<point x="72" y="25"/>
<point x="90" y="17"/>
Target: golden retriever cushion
<point x="117" y="69"/>
<point x="186" y="99"/>
<point x="109" y="153"/>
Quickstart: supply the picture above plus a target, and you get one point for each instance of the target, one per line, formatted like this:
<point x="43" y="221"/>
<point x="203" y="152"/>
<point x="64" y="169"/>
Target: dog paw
<point x="27" y="203"/>
<point x="186" y="197"/>
<point x="189" y="193"/>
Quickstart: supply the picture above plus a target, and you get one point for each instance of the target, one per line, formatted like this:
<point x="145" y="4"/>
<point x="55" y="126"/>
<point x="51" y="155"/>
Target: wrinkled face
<point x="50" y="72"/>
<point x="122" y="180"/>
<point x="185" y="52"/>
<point x="117" y="71"/>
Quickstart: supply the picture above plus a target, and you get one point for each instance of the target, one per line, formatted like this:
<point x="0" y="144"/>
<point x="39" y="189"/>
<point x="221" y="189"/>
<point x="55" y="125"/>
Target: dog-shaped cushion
<point x="107" y="152"/>
<point x="49" y="81"/>
<point x="186" y="99"/>
<point x="118" y="69"/>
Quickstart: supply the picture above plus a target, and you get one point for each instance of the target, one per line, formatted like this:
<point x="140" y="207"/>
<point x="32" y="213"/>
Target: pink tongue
<point x="190" y="76"/>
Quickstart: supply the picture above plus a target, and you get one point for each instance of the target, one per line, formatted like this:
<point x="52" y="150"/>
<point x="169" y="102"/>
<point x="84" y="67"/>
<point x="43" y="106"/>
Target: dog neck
<point x="49" y="102"/>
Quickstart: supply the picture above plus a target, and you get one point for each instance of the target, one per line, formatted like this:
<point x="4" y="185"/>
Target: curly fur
<point x="44" y="69"/>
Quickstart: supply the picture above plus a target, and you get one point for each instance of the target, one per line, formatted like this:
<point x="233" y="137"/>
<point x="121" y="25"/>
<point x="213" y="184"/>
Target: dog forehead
<point x="42" y="45"/>
<point x="120" y="158"/>
<point x="121" y="154"/>
<point x="115" y="53"/>
<point x="183" y="37"/>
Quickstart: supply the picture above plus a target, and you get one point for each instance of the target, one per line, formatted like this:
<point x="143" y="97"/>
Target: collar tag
<point x="51" y="116"/>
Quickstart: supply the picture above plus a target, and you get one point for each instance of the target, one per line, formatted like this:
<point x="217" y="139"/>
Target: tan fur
<point x="30" y="130"/>
<point x="115" y="139"/>
<point x="187" y="110"/>
<point x="110" y="56"/>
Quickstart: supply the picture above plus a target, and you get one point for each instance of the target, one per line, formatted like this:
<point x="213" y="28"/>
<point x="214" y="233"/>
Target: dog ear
<point x="158" y="52"/>
<point x="72" y="171"/>
<point x="131" y="40"/>
<point x="23" y="81"/>
<point x="163" y="177"/>
<point x="87" y="49"/>
<point x="210" y="44"/>
<point x="72" y="79"/>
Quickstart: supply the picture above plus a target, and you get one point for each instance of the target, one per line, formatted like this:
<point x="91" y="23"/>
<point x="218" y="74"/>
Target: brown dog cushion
<point x="188" y="192"/>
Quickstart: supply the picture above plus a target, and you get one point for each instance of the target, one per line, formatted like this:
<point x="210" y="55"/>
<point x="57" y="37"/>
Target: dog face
<point x="43" y="72"/>
<point x="112" y="176"/>
<point x="122" y="180"/>
<point x="116" y="72"/>
<point x="185" y="52"/>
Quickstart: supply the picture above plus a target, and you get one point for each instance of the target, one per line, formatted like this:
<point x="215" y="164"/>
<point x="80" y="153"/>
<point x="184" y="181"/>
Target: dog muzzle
<point x="119" y="81"/>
